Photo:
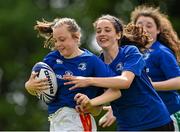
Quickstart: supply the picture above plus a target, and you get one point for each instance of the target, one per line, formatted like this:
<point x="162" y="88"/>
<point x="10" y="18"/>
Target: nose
<point x="144" y="27"/>
<point x="102" y="33"/>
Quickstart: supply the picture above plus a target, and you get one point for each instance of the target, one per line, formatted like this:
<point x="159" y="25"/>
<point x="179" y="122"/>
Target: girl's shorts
<point x="67" y="119"/>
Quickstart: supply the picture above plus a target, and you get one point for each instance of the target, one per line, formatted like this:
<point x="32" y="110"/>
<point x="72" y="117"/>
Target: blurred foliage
<point x="20" y="48"/>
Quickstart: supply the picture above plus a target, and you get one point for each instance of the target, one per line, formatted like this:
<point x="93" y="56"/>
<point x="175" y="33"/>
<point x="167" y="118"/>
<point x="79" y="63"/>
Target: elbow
<point x="121" y="86"/>
<point x="126" y="85"/>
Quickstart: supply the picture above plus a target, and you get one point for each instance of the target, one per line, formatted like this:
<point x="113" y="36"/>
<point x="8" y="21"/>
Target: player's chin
<point x="65" y="53"/>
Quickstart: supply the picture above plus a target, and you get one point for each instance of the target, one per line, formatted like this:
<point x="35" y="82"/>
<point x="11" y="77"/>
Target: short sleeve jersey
<point x="87" y="65"/>
<point x="162" y="65"/>
<point x="138" y="107"/>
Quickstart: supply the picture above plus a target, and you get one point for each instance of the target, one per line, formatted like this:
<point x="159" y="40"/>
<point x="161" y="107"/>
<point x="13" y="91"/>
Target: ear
<point x="77" y="35"/>
<point x="119" y="35"/>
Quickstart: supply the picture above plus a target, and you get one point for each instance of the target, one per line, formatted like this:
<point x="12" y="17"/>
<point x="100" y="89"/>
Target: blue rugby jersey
<point x="162" y="65"/>
<point x="87" y="65"/>
<point x="140" y="107"/>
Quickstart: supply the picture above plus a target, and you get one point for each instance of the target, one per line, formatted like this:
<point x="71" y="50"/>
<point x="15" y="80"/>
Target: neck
<point x="76" y="53"/>
<point x="110" y="54"/>
<point x="151" y="43"/>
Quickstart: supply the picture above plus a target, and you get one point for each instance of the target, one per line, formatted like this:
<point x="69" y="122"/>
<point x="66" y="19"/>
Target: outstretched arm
<point x="108" y="96"/>
<point x="92" y="104"/>
<point x="170" y="84"/>
<point x="122" y="81"/>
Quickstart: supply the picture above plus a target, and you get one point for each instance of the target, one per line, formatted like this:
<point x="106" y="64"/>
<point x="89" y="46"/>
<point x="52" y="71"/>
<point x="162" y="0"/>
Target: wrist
<point x="154" y="84"/>
<point x="93" y="103"/>
<point x="94" y="109"/>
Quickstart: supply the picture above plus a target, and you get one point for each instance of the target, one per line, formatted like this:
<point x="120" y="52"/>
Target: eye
<point x="98" y="31"/>
<point x="149" y="26"/>
<point x="139" y="24"/>
<point x="61" y="39"/>
<point x="107" y="30"/>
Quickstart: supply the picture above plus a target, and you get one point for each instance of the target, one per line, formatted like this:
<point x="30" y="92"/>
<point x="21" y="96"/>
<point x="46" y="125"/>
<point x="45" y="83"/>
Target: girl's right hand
<point x="34" y="85"/>
<point x="83" y="103"/>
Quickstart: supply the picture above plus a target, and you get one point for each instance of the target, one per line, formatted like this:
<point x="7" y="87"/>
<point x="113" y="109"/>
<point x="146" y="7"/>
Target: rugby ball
<point x="45" y="71"/>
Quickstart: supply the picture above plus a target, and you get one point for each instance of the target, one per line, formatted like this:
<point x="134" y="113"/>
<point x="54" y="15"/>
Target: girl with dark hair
<point x="140" y="107"/>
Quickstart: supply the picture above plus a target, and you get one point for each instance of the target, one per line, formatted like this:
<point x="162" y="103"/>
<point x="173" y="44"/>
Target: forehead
<point x="61" y="30"/>
<point x="104" y="23"/>
<point x="145" y="19"/>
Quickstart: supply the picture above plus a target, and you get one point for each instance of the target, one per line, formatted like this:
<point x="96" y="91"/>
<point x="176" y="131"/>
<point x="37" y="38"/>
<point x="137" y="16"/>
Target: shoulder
<point x="51" y="57"/>
<point x="93" y="60"/>
<point x="52" y="54"/>
<point x="130" y="49"/>
<point x="90" y="55"/>
<point x="162" y="49"/>
<point x="87" y="53"/>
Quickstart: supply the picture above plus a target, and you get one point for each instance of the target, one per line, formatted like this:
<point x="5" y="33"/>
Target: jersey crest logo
<point x="119" y="66"/>
<point x="59" y="76"/>
<point x="146" y="55"/>
<point x="58" y="61"/>
<point x="82" y="66"/>
<point x="69" y="73"/>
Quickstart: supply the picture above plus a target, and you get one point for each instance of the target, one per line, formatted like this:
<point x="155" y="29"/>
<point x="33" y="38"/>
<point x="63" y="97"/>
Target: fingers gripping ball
<point x="45" y="71"/>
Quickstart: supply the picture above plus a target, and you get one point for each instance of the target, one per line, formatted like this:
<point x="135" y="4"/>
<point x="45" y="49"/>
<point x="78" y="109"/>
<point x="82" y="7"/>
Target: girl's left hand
<point x="108" y="119"/>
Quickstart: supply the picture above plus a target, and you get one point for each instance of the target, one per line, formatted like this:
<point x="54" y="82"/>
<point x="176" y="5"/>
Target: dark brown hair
<point x="131" y="34"/>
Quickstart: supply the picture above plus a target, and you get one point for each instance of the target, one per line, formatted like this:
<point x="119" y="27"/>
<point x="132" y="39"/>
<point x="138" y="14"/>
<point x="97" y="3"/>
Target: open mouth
<point x="103" y="40"/>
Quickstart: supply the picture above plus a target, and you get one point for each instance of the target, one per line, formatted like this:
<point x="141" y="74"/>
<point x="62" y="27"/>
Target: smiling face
<point x="106" y="35"/>
<point x="149" y="24"/>
<point x="65" y="43"/>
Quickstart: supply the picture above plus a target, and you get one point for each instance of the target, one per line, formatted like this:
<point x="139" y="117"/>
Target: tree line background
<point x="20" y="48"/>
